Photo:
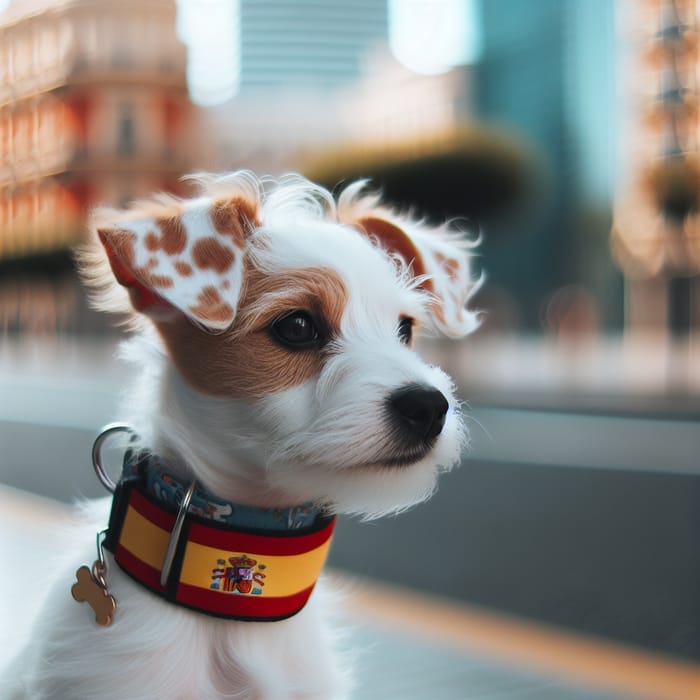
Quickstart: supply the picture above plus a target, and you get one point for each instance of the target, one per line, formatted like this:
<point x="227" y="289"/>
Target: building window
<point x="126" y="139"/>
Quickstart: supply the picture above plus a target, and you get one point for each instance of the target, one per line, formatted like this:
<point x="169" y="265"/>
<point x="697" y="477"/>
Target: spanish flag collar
<point x="214" y="556"/>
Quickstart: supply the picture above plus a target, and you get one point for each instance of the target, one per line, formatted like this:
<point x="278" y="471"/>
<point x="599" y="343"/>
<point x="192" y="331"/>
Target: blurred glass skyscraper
<point x="250" y="46"/>
<point x="316" y="43"/>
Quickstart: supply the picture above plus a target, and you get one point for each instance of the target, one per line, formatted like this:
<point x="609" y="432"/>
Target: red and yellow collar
<point x="226" y="570"/>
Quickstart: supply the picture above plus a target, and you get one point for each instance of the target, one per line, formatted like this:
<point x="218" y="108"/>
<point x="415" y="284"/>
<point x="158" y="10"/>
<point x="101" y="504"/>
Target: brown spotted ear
<point x="188" y="258"/>
<point x="438" y="255"/>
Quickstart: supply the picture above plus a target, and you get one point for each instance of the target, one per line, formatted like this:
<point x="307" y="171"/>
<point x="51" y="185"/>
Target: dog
<point x="274" y="325"/>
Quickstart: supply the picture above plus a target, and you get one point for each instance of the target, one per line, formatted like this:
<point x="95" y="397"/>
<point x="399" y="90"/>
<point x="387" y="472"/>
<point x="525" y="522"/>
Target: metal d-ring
<point x="175" y="534"/>
<point x="100" y="470"/>
<point x="99" y="568"/>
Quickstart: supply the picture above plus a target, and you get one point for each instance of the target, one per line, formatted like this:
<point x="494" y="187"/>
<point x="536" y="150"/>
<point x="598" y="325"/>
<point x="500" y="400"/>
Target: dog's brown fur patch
<point x="152" y="241"/>
<point x="234" y="216"/>
<point x="395" y="240"/>
<point x="174" y="235"/>
<point x="209" y="253"/>
<point x="183" y="269"/>
<point x="245" y="360"/>
<point x="211" y="307"/>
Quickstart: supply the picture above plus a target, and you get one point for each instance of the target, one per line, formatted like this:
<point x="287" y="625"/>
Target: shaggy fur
<point x="253" y="421"/>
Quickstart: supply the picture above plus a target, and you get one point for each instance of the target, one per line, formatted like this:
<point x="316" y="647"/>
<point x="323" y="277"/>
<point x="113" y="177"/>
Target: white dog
<point x="279" y="387"/>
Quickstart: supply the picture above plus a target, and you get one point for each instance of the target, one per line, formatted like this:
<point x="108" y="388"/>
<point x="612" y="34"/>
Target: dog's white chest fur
<point x="275" y="335"/>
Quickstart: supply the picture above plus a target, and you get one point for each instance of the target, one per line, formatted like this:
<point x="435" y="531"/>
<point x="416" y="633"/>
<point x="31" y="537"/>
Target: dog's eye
<point x="406" y="330"/>
<point x="296" y="330"/>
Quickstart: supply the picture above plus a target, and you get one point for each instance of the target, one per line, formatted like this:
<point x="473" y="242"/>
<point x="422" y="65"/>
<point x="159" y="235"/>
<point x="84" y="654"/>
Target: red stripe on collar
<point x="221" y="570"/>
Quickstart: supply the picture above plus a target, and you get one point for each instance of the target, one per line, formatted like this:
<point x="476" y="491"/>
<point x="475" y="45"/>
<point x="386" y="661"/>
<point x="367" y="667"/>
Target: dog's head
<point x="288" y="321"/>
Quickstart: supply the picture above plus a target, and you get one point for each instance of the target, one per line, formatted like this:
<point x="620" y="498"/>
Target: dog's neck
<point x="198" y="437"/>
<point x="229" y="479"/>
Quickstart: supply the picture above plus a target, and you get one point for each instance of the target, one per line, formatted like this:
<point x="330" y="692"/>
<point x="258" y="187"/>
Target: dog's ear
<point x="438" y="255"/>
<point x="186" y="257"/>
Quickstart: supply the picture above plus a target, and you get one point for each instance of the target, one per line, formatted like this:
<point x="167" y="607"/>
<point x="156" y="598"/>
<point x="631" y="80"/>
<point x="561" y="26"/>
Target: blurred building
<point x="317" y="87"/>
<point x="386" y="112"/>
<point x="93" y="108"/>
<point x="656" y="232"/>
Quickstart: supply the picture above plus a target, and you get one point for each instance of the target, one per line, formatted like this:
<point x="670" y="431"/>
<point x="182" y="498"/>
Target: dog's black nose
<point x="419" y="410"/>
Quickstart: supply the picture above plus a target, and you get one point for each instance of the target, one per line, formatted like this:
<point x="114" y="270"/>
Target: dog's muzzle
<point x="418" y="413"/>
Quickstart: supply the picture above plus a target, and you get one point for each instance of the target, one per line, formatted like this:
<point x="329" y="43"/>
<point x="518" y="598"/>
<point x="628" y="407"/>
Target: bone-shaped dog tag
<point x="91" y="588"/>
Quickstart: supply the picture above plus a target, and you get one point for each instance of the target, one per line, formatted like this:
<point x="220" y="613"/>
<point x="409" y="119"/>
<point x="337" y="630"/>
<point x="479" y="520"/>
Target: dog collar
<point x="228" y="560"/>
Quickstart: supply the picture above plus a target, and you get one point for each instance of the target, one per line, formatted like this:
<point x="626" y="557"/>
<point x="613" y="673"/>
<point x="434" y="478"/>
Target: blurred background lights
<point x="433" y="36"/>
<point x="211" y="31"/>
